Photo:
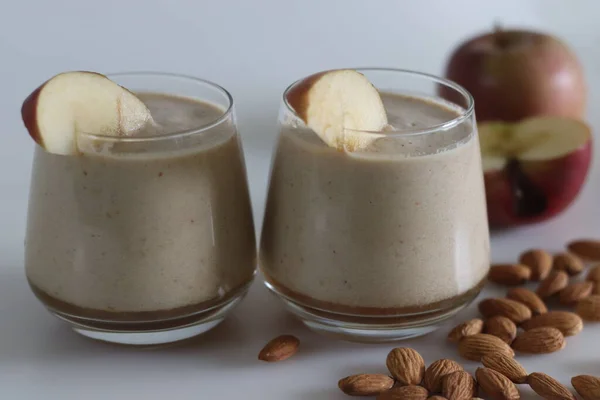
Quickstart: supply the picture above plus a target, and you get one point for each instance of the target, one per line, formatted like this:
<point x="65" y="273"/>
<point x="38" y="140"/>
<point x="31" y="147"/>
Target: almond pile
<point x="446" y="379"/>
<point x="521" y="321"/>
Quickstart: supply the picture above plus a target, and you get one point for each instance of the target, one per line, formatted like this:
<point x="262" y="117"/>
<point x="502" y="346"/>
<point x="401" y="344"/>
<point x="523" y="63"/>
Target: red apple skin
<point x="558" y="180"/>
<point x="28" y="114"/>
<point x="517" y="75"/>
<point x="297" y="94"/>
<point x="29" y="111"/>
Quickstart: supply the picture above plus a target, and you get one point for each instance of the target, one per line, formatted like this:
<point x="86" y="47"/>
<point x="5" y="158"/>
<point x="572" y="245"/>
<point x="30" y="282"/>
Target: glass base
<point x="149" y="338"/>
<point x="137" y="335"/>
<point x="372" y="329"/>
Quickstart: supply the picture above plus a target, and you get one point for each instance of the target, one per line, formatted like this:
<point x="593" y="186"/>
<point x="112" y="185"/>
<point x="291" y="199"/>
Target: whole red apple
<point x="533" y="170"/>
<point x="514" y="74"/>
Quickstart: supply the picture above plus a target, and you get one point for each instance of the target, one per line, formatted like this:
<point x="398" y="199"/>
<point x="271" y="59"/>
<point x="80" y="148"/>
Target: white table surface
<point x="253" y="48"/>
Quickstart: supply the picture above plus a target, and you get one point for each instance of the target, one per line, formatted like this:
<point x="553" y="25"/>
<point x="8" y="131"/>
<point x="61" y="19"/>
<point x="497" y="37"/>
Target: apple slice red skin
<point x="28" y="114"/>
<point x="297" y="95"/>
<point x="560" y="180"/>
<point x="29" y="111"/>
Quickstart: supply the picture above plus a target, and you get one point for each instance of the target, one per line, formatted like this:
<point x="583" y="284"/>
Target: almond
<point x="575" y="292"/>
<point x="589" y="308"/>
<point x="548" y="387"/>
<point x="513" y="310"/>
<point x="436" y="372"/>
<point x="509" y="274"/>
<point x="507" y="366"/>
<point x="501" y="327"/>
<point x="365" y="384"/>
<point x="568" y="323"/>
<point x="538" y="261"/>
<point x="586" y="249"/>
<point x="406" y="365"/>
<point x="569" y="263"/>
<point x="539" y="341"/>
<point x="529" y="298"/>
<point x="466" y="328"/>
<point x="587" y="386"/>
<point x="476" y="346"/>
<point x="594" y="274"/>
<point x="279" y="349"/>
<point x="554" y="283"/>
<point x="459" y="385"/>
<point x="405" y="393"/>
<point x="496" y="385"/>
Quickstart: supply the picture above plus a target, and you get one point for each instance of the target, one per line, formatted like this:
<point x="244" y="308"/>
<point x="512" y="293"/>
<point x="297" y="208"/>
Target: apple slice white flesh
<point x="81" y="102"/>
<point x="533" y="139"/>
<point x="342" y="107"/>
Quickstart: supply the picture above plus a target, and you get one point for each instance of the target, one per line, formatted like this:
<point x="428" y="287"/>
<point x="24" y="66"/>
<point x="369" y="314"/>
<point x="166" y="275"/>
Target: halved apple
<point x="341" y="106"/>
<point x="533" y="169"/>
<point x="80" y="102"/>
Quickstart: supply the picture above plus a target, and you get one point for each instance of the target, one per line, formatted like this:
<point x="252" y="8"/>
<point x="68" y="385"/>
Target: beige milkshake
<point x="144" y="235"/>
<point x="395" y="229"/>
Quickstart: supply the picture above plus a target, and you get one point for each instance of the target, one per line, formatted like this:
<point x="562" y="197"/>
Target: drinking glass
<point x="147" y="239"/>
<point x="384" y="243"/>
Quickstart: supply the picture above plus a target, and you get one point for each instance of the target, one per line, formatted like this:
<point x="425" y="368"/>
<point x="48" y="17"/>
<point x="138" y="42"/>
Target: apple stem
<point x="497" y="27"/>
<point x="501" y="38"/>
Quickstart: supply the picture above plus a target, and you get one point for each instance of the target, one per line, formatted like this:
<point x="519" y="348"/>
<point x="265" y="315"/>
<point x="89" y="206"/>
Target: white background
<point x="253" y="48"/>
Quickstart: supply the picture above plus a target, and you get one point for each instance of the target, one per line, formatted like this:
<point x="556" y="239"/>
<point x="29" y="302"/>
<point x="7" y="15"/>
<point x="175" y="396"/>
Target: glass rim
<point x="170" y="135"/>
<point x="465" y="114"/>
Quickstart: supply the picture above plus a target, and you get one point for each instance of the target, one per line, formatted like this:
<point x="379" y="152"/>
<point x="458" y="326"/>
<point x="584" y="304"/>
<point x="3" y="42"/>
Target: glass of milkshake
<point x="382" y="234"/>
<point x="142" y="235"/>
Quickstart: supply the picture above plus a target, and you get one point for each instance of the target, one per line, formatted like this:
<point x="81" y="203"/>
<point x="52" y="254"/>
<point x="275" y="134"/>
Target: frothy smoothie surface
<point x="399" y="226"/>
<point x="163" y="225"/>
<point x="174" y="114"/>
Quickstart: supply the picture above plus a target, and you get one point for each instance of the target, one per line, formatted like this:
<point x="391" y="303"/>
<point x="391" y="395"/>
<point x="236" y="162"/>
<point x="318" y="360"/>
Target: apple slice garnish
<point x="81" y="102"/>
<point x="533" y="169"/>
<point x="342" y="107"/>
